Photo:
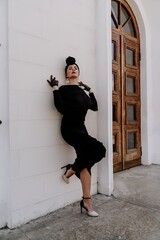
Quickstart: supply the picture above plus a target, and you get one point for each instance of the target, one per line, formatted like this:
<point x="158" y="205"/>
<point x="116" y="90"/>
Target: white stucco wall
<point x="4" y="127"/>
<point x="41" y="35"/>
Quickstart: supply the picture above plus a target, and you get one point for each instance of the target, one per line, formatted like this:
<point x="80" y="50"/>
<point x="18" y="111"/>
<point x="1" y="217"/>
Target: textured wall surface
<point x="4" y="127"/>
<point x="41" y="35"/>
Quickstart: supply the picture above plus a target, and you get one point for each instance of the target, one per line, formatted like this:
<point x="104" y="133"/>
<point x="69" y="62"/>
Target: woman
<point x="73" y="103"/>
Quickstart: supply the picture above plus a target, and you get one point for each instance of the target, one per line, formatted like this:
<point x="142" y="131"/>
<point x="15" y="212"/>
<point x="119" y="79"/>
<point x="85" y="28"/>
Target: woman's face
<point x="72" y="71"/>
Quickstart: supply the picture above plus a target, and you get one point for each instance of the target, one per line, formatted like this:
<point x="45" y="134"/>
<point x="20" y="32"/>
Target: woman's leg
<point x="69" y="173"/>
<point x="85" y="178"/>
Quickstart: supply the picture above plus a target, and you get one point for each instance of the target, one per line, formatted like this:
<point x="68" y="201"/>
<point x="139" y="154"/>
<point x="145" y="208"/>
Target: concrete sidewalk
<point x="133" y="213"/>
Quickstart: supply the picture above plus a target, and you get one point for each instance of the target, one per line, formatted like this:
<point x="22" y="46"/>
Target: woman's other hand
<point x="53" y="82"/>
<point x="87" y="88"/>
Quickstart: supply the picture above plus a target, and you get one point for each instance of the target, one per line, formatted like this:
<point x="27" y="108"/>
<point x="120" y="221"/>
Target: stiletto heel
<point x="92" y="213"/>
<point x="82" y="206"/>
<point x="68" y="166"/>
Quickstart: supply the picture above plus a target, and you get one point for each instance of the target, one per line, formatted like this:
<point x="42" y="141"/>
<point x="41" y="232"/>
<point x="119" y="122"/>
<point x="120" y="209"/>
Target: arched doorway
<point x="125" y="87"/>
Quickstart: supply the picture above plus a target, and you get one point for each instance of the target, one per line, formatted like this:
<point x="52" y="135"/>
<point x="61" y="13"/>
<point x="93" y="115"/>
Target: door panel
<point x="125" y="87"/>
<point x="130" y="68"/>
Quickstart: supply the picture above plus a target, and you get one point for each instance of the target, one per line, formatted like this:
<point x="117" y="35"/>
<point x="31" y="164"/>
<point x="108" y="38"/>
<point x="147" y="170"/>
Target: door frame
<point x="104" y="76"/>
<point x="123" y="158"/>
<point x="146" y="80"/>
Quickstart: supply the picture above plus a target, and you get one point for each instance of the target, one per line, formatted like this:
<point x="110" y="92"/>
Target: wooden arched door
<point x="125" y="87"/>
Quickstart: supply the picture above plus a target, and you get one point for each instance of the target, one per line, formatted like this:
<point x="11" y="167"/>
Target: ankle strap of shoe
<point x="86" y="197"/>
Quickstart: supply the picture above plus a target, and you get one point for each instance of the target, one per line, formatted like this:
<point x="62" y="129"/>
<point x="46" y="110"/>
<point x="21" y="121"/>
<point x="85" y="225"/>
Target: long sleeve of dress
<point x="94" y="105"/>
<point x="58" y="102"/>
<point x="63" y="106"/>
<point x="73" y="102"/>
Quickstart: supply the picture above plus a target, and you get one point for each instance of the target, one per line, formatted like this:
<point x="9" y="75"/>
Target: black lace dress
<point x="73" y="103"/>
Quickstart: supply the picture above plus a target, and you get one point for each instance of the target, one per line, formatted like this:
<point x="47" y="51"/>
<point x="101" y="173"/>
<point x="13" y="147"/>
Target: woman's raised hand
<point x="87" y="88"/>
<point x="53" y="82"/>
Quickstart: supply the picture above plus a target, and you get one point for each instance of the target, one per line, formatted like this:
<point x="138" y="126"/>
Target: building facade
<point x="36" y="36"/>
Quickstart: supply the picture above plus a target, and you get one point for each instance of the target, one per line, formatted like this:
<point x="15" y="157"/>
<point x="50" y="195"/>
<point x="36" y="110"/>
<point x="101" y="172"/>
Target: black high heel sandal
<point x="68" y="166"/>
<point x="92" y="213"/>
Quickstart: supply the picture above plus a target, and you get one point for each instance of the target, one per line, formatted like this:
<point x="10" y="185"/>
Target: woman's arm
<point x="58" y="101"/>
<point x="94" y="104"/>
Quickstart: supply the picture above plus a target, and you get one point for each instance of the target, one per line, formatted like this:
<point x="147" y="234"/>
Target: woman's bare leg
<point x="85" y="178"/>
<point x="69" y="173"/>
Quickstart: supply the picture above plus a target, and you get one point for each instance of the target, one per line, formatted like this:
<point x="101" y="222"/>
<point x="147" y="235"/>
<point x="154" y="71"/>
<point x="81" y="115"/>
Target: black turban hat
<point x="70" y="61"/>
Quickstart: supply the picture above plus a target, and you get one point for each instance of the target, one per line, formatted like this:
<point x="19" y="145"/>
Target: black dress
<point x="73" y="103"/>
